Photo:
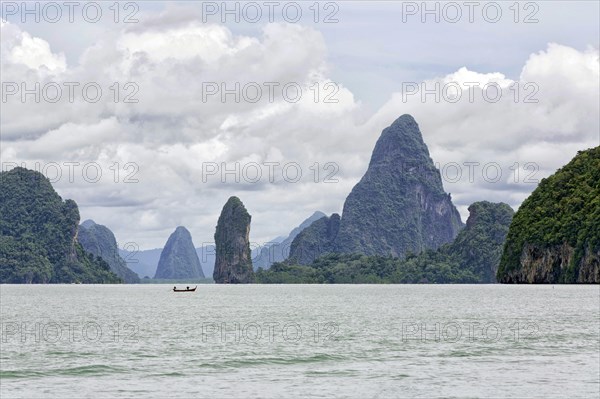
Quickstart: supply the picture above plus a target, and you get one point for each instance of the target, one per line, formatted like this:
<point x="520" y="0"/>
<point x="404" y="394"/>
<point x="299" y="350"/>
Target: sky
<point x="154" y="141"/>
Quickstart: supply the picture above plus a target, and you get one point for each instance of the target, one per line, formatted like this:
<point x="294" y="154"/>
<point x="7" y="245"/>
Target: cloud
<point x="154" y="153"/>
<point x="526" y="140"/>
<point x="32" y="52"/>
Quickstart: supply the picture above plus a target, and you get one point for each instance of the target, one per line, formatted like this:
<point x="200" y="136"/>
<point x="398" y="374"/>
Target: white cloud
<point x="546" y="133"/>
<point x="171" y="131"/>
<point x="33" y="52"/>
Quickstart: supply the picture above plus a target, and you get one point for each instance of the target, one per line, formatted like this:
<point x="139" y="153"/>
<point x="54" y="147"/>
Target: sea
<point x="300" y="341"/>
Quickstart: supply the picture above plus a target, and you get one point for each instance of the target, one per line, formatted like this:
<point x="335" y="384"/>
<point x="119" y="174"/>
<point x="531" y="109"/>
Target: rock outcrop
<point x="473" y="257"/>
<point x="555" y="235"/>
<point x="399" y="206"/>
<point x="478" y="247"/>
<point x="550" y="265"/>
<point x="315" y="240"/>
<point x="279" y="251"/>
<point x="100" y="241"/>
<point x="233" y="263"/>
<point x="38" y="235"/>
<point x="178" y="259"/>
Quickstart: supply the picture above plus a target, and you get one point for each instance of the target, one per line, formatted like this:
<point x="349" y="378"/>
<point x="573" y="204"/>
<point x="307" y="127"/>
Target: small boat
<point x="187" y="289"/>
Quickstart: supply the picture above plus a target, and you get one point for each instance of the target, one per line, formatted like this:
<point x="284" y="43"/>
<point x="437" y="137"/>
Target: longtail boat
<point x="187" y="289"/>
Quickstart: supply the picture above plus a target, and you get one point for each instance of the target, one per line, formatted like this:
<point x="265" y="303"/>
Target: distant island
<point x="179" y="260"/>
<point x="397" y="226"/>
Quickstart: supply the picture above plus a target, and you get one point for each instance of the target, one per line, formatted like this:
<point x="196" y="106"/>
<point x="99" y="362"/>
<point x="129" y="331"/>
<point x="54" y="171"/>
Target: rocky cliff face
<point x="316" y="240"/>
<point x="550" y="265"/>
<point x="399" y="205"/>
<point x="280" y="251"/>
<point x="233" y="263"/>
<point x="100" y="241"/>
<point x="589" y="267"/>
<point x="541" y="265"/>
<point x="178" y="259"/>
<point x="38" y="235"/>
<point x="555" y="235"/>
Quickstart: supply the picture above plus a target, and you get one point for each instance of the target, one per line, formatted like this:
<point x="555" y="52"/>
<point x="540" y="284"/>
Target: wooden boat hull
<point x="191" y="290"/>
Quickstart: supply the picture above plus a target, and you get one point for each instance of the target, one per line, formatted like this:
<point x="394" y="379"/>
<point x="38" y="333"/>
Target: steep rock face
<point x="280" y="251"/>
<point x="548" y="265"/>
<point x="316" y="240"/>
<point x="399" y="205"/>
<point x="478" y="247"/>
<point x="100" y="241"/>
<point x="178" y="259"/>
<point x="38" y="235"/>
<point x="541" y="265"/>
<point x="555" y="235"/>
<point x="233" y="263"/>
<point x="589" y="267"/>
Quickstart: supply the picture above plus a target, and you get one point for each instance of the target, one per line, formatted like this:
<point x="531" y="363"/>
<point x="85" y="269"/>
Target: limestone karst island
<point x="299" y="199"/>
<point x="398" y="225"/>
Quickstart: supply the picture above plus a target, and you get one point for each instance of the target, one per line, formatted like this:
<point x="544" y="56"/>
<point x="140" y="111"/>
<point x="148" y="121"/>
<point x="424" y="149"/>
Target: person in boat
<point x="174" y="288"/>
<point x="187" y="288"/>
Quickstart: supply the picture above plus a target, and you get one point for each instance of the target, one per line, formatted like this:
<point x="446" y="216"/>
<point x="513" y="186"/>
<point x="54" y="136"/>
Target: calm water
<point x="300" y="341"/>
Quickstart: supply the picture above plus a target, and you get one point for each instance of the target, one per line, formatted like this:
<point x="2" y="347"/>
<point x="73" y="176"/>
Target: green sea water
<point x="300" y="341"/>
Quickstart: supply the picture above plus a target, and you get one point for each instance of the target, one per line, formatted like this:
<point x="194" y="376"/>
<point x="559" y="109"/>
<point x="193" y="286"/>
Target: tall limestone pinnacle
<point x="399" y="205"/>
<point x="179" y="259"/>
<point x="233" y="262"/>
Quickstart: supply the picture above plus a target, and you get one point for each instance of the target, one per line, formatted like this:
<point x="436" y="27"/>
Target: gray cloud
<point x="171" y="132"/>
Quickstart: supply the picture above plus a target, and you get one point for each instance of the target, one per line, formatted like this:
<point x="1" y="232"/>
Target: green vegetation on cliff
<point x="429" y="267"/>
<point x="555" y="235"/>
<point x="38" y="235"/>
<point x="233" y="262"/>
<point x="471" y="258"/>
<point x="478" y="247"/>
<point x="399" y="206"/>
